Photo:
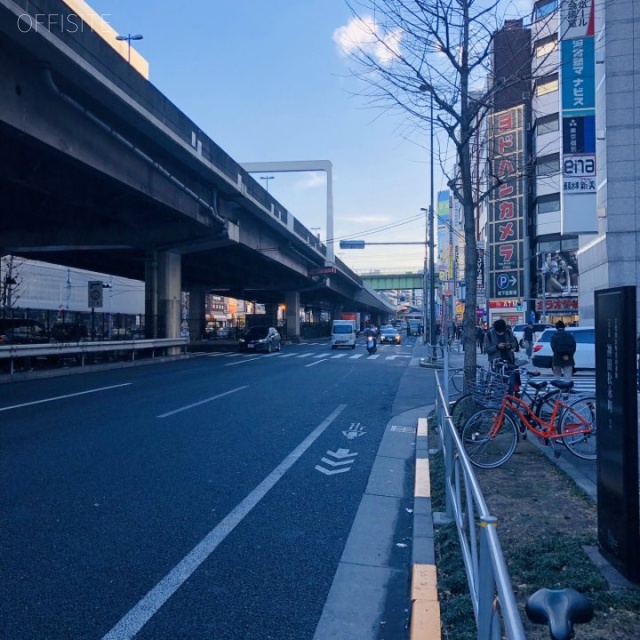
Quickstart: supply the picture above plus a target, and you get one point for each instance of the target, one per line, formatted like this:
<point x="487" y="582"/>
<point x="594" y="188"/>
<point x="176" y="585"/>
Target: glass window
<point x="547" y="204"/>
<point x="547" y="84"/>
<point x="547" y="124"/>
<point x="548" y="165"/>
<point x="544" y="8"/>
<point x="545" y="46"/>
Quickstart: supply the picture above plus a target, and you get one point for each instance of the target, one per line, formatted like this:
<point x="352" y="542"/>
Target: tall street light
<point x="266" y="179"/>
<point x="128" y="38"/>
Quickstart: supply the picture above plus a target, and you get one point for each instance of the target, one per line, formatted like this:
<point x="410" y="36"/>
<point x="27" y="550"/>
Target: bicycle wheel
<point x="546" y="402"/>
<point x="457" y="380"/>
<point x="484" y="450"/>
<point x="572" y="427"/>
<point x="463" y="408"/>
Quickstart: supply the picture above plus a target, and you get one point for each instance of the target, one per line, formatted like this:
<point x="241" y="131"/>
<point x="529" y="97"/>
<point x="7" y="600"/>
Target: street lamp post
<point x="267" y="179"/>
<point x="128" y="38"/>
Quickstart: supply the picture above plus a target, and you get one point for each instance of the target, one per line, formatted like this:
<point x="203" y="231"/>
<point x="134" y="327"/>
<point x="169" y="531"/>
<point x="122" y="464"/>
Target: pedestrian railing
<point x="494" y="603"/>
<point x="83" y="352"/>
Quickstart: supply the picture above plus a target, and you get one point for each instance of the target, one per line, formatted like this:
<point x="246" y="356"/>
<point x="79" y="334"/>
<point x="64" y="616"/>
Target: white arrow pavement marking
<point x="332" y="472"/>
<point x="145" y="609"/>
<point x="337" y="463"/>
<point x="342" y="453"/>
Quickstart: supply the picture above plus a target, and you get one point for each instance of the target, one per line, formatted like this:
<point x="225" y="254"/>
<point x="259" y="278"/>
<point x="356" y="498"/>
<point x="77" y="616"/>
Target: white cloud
<point x="364" y="34"/>
<point x="312" y="180"/>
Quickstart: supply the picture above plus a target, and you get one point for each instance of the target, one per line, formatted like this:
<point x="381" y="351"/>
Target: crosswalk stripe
<point x="338" y="355"/>
<point x="373" y="357"/>
<point x="305" y="355"/>
<point x="358" y="355"/>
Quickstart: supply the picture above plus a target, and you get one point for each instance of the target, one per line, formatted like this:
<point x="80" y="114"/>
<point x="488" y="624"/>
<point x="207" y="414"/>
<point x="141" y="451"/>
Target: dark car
<point x="390" y="335"/>
<point x="260" y="339"/>
<point x="69" y="332"/>
<point x="22" y="331"/>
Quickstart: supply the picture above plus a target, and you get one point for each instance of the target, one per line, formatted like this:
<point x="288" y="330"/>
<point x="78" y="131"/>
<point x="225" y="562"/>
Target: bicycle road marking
<point x="197" y="404"/>
<point x="69" y="395"/>
<point x="148" y="606"/>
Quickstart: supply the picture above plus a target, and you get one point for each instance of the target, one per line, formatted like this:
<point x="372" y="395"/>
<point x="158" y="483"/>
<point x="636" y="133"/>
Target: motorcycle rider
<point x="370" y="340"/>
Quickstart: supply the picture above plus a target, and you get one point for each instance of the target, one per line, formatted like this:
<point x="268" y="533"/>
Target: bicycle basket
<point x="488" y="393"/>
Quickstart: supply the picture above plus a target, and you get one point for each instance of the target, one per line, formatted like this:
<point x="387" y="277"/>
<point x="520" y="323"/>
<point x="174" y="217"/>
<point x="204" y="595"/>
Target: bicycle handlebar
<point x="559" y="609"/>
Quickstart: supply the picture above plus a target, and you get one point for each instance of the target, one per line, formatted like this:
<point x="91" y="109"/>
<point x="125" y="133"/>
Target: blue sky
<point x="267" y="81"/>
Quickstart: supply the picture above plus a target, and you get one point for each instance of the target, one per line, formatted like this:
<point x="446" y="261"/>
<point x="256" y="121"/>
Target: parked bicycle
<point x="490" y="435"/>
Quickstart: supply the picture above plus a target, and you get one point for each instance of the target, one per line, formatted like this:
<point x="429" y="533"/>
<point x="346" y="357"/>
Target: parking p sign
<point x="95" y="293"/>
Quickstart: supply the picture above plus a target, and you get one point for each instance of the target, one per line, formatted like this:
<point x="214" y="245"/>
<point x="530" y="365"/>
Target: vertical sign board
<point x="95" y="294"/>
<point x="506" y="210"/>
<point x="617" y="420"/>
<point x="577" y="80"/>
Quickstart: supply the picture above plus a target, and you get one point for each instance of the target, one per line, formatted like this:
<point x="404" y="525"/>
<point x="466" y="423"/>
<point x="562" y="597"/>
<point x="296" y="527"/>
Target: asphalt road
<point x="203" y="498"/>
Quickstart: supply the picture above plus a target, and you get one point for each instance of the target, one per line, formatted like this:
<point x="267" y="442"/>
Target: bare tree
<point x="10" y="284"/>
<point x="415" y="54"/>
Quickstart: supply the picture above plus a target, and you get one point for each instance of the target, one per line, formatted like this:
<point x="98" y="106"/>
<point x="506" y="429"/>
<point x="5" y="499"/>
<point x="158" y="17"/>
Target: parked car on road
<point x="585" y="355"/>
<point x="22" y="331"/>
<point x="390" y="334"/>
<point x="260" y="339"/>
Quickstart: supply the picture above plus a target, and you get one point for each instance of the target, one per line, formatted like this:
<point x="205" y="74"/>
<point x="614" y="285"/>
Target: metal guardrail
<point x="83" y="349"/>
<point x="490" y="587"/>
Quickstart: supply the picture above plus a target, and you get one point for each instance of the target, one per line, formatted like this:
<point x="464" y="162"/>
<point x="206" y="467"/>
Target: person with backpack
<point x="563" y="345"/>
<point x="500" y="343"/>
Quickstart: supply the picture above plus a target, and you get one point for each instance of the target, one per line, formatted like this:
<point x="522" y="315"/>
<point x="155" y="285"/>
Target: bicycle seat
<point x="562" y="384"/>
<point x="559" y="609"/>
<point x="538" y="385"/>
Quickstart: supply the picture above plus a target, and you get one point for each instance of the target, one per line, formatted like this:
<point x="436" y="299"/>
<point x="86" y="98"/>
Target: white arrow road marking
<point x="344" y="457"/>
<point x="337" y="463"/>
<point x="342" y="453"/>
<point x="332" y="472"/>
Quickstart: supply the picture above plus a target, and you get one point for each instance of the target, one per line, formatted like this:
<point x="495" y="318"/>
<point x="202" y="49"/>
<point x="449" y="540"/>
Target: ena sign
<point x="578" y="166"/>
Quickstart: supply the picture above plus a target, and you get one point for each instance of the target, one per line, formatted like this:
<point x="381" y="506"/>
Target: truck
<point x="352" y="315"/>
<point x="414" y="327"/>
<point x="343" y="334"/>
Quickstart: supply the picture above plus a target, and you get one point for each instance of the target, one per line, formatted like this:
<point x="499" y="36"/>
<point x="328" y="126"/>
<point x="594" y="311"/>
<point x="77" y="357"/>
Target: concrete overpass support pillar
<point x="197" y="313"/>
<point x="292" y="301"/>
<point x="163" y="295"/>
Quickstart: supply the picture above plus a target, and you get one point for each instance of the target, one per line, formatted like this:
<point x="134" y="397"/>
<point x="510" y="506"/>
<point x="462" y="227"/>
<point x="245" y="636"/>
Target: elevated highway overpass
<point x="99" y="170"/>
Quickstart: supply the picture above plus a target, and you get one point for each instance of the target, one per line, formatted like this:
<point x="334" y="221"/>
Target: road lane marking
<point x="245" y="359"/>
<point x="69" y="395"/>
<point x="197" y="404"/>
<point x="358" y="355"/>
<point x="313" y="364"/>
<point x="145" y="609"/>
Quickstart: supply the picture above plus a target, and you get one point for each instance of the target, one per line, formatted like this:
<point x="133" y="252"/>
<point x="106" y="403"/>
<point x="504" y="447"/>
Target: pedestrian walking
<point x="480" y="337"/>
<point x="563" y="345"/>
<point x="528" y="338"/>
<point x="500" y="343"/>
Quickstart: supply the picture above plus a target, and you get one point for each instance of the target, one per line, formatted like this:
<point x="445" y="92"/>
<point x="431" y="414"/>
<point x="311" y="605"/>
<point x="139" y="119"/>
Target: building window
<point x="547" y="84"/>
<point x="545" y="46"/>
<point x="548" y="204"/>
<point x="547" y="124"/>
<point x="544" y="8"/>
<point x="548" y="165"/>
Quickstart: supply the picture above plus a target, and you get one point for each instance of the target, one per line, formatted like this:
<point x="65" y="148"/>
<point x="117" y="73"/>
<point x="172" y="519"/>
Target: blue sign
<point x="578" y="76"/>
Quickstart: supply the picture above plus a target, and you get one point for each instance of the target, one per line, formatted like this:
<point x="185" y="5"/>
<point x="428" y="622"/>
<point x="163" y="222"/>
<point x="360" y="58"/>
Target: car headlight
<point x="242" y="341"/>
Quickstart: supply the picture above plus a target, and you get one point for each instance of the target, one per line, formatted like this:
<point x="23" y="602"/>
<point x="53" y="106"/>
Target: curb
<point x="425" y="607"/>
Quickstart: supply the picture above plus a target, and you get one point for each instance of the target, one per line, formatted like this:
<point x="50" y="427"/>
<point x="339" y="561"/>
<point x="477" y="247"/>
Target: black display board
<point x="617" y="420"/>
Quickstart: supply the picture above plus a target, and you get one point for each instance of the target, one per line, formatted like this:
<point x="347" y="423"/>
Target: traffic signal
<point x="519" y="305"/>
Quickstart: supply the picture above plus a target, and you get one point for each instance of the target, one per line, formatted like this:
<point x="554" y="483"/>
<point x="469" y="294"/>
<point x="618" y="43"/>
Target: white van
<point x="343" y="334"/>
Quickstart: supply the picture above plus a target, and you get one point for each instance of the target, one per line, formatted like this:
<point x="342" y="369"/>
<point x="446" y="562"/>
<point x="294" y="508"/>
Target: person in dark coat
<point x="500" y="343"/>
<point x="563" y="345"/>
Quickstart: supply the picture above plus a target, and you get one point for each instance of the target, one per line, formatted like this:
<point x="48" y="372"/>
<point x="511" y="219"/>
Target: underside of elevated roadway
<point x="98" y="170"/>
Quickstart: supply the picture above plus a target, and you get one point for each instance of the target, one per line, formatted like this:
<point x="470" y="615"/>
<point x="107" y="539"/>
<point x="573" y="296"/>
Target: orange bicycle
<point x="490" y="435"/>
